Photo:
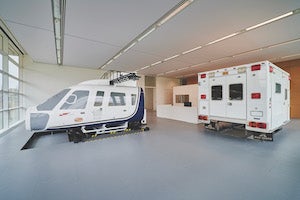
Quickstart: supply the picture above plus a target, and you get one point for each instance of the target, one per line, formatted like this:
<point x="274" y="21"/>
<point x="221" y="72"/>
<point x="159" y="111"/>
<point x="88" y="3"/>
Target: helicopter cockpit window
<point x="53" y="101"/>
<point x="117" y="99"/>
<point x="99" y="98"/>
<point x="77" y="100"/>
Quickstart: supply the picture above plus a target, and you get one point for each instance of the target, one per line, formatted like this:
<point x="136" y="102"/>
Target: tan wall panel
<point x="295" y="112"/>
<point x="293" y="67"/>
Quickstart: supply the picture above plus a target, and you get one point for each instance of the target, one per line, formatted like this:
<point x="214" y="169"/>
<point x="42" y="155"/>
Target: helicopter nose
<point x="38" y="121"/>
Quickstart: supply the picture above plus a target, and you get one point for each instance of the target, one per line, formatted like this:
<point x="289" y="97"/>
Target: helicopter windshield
<point x="50" y="103"/>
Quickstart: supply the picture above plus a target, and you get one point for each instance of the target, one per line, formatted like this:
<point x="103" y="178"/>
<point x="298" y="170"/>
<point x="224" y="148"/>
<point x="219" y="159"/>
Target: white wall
<point x="44" y="80"/>
<point x="191" y="90"/>
<point x="164" y="90"/>
<point x="180" y="113"/>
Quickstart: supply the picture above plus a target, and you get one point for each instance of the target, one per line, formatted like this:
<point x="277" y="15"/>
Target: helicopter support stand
<point x="76" y="135"/>
<point x="83" y="135"/>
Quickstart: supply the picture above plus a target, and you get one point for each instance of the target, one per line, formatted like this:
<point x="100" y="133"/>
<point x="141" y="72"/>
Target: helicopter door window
<point x="117" y="99"/>
<point x="99" y="98"/>
<point x="133" y="99"/>
<point x="77" y="100"/>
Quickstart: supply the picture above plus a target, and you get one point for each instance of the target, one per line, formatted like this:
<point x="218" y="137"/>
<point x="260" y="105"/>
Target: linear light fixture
<point x="172" y="57"/>
<point x="117" y="56"/>
<point x="289" y="56"/>
<point x="58" y="13"/>
<point x="156" y="63"/>
<point x="169" y="72"/>
<point x="171" y="13"/>
<point x="129" y="47"/>
<point x="191" y="50"/>
<point x="284" y="43"/>
<point x="180" y="6"/>
<point x="146" y="33"/>
<point x="296" y="11"/>
<point x="219" y="59"/>
<point x="146" y="67"/>
<point x="223" y="38"/>
<point x="270" y="21"/>
<point x="246" y="52"/>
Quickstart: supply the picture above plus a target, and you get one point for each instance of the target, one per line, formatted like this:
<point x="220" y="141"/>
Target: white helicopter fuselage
<point x="87" y="104"/>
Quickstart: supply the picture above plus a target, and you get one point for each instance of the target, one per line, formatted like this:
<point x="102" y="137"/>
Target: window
<point x="236" y="92"/>
<point x="1" y="101"/>
<point x="1" y="120"/>
<point x="278" y="88"/>
<point x="77" y="100"/>
<point x="1" y="42"/>
<point x="53" y="101"/>
<point x="13" y="69"/>
<point x="182" y="98"/>
<point x="11" y="97"/>
<point x="13" y="85"/>
<point x="13" y="55"/>
<point x="1" y="93"/>
<point x="133" y="99"/>
<point x="1" y="67"/>
<point x="99" y="98"/>
<point x="117" y="99"/>
<point x="13" y="100"/>
<point x="216" y="92"/>
<point x="13" y="116"/>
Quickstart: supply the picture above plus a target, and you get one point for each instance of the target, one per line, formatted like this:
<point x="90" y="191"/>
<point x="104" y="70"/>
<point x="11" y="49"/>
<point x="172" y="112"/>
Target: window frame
<point x="277" y="89"/>
<point x="214" y="97"/>
<point x="231" y="92"/>
<point x="113" y="100"/>
<point x="97" y="97"/>
<point x="77" y="101"/>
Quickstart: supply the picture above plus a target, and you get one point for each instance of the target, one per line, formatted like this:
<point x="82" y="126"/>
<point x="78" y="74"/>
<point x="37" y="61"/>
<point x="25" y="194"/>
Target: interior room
<point x="137" y="99"/>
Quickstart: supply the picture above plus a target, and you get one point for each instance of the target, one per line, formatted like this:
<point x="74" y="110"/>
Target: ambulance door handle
<point x="124" y="110"/>
<point x="229" y="103"/>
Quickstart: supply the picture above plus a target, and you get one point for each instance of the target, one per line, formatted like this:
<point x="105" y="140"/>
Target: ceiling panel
<point x="114" y="22"/>
<point x="164" y="67"/>
<point x="96" y="30"/>
<point x="132" y="61"/>
<point x="275" y="54"/>
<point x="43" y="49"/>
<point x="84" y="53"/>
<point x="35" y="13"/>
<point x="206" y="20"/>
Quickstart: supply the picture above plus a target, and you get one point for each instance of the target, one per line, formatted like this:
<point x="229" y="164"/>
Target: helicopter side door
<point x="73" y="109"/>
<point x="97" y="106"/>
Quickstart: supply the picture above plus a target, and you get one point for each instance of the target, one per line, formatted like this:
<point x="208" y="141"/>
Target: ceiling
<point x="95" y="31"/>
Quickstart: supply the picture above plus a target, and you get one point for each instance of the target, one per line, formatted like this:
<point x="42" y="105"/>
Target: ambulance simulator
<point x="256" y="95"/>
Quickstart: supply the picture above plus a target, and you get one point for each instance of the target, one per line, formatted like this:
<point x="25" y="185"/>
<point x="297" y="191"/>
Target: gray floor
<point x="174" y="160"/>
